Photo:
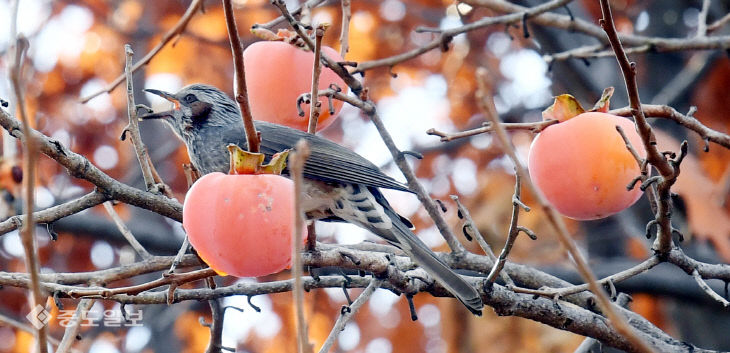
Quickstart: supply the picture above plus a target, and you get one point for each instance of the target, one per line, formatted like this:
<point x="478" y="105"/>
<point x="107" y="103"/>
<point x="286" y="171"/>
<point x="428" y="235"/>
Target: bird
<point x="339" y="184"/>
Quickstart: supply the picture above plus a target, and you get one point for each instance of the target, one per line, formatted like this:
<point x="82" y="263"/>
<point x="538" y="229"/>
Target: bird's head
<point x="196" y="107"/>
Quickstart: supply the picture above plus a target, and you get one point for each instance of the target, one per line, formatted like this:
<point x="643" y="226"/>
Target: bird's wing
<point x="328" y="161"/>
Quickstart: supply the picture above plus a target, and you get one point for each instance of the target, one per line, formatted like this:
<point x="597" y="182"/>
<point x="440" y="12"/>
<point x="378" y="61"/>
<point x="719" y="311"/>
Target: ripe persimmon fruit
<point x="277" y="73"/>
<point x="582" y="165"/>
<point x="241" y="225"/>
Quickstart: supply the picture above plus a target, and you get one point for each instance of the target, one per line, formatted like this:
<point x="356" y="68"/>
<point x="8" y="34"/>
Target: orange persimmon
<point x="277" y="73"/>
<point x="241" y="224"/>
<point x="583" y="167"/>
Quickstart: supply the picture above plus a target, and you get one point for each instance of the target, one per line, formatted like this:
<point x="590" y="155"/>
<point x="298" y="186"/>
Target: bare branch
<point x="217" y="313"/>
<point x="315" y="105"/>
<point x="415" y="185"/>
<point x="345" y="32"/>
<point x="55" y="213"/>
<point x="171" y="279"/>
<point x="296" y="166"/>
<point x="180" y="254"/>
<point x="133" y="126"/>
<point x="702" y="19"/>
<point x="638" y="43"/>
<point x="240" y="90"/>
<point x="30" y="156"/>
<point x="296" y="12"/>
<point x="535" y="127"/>
<point x="348" y="312"/>
<point x="512" y="233"/>
<point x="469" y="224"/>
<point x="719" y="23"/>
<point x="72" y="330"/>
<point x="141" y="251"/>
<point x="640" y="268"/>
<point x="706" y="288"/>
<point x="447" y="35"/>
<point x="688" y="121"/>
<point x="80" y="167"/>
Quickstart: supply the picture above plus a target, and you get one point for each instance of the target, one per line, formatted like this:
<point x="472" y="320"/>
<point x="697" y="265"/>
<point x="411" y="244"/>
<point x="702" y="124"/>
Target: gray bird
<point x="340" y="185"/>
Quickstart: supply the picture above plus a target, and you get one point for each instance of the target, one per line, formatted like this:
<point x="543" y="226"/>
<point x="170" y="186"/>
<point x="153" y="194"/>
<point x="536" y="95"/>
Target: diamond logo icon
<point x="38" y="317"/>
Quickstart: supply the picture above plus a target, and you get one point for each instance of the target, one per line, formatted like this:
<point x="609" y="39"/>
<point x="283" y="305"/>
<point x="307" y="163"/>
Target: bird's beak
<point x="165" y="114"/>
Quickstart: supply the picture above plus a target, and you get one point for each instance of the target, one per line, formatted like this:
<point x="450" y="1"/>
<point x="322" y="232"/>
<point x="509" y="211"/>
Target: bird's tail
<point x="424" y="257"/>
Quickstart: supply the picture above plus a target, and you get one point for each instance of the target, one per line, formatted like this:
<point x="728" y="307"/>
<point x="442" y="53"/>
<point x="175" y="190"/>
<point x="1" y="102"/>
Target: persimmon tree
<point x="495" y="65"/>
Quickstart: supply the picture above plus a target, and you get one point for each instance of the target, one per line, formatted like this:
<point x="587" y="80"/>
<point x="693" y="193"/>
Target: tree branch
<point x="30" y="158"/>
<point x="240" y="90"/>
<point x="80" y="167"/>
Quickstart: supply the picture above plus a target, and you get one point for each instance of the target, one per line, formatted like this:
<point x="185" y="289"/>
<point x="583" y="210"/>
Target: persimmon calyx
<point x="603" y="104"/>
<point x="566" y="107"/>
<point x="245" y="162"/>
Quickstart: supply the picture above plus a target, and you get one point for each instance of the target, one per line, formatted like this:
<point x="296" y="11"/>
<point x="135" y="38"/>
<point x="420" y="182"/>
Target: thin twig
<point x="634" y="153"/>
<point x="51" y="214"/>
<point x="469" y="224"/>
<point x="640" y="268"/>
<point x="30" y="156"/>
<point x="348" y="312"/>
<point x="618" y="321"/>
<point x="447" y="35"/>
<point x="688" y="121"/>
<point x="311" y="237"/>
<point x="10" y="147"/>
<point x="240" y="89"/>
<point x="173" y="33"/>
<point x="296" y="167"/>
<point x="706" y="288"/>
<point x="431" y="207"/>
<point x="217" y="315"/>
<point x="72" y="330"/>
<point x="593" y="52"/>
<point x="180" y="254"/>
<point x="643" y="167"/>
<point x="141" y="251"/>
<point x="719" y="23"/>
<point x="174" y="280"/>
<point x="565" y="22"/>
<point x="511" y="234"/>
<point x="160" y="185"/>
<point x="702" y="18"/>
<point x="316" y="106"/>
<point x="296" y="12"/>
<point x="80" y="167"/>
<point x="535" y="128"/>
<point x="133" y="127"/>
<point x="628" y="70"/>
<point x="368" y="107"/>
<point x="345" y="32"/>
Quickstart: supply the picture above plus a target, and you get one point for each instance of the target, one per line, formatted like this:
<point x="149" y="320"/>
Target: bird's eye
<point x="190" y="98"/>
